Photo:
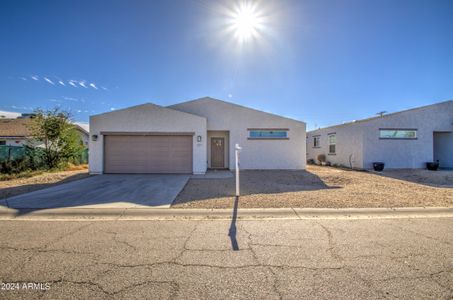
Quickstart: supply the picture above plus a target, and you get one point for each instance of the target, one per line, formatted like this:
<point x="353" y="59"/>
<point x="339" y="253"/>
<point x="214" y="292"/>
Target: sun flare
<point x="246" y="22"/>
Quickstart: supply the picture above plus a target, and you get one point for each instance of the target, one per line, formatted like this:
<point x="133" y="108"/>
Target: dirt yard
<point x="322" y="187"/>
<point x="19" y="186"/>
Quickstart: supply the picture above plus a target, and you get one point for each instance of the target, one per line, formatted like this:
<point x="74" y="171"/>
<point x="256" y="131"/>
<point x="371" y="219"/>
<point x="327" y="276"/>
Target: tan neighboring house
<point x="16" y="132"/>
<point x="193" y="136"/>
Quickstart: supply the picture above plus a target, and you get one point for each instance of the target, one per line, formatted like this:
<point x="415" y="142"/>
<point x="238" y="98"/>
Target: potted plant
<point x="432" y="166"/>
<point x="322" y="159"/>
<point x="378" y="166"/>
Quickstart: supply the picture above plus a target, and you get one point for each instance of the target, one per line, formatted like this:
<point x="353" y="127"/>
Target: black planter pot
<point x="432" y="166"/>
<point x="378" y="166"/>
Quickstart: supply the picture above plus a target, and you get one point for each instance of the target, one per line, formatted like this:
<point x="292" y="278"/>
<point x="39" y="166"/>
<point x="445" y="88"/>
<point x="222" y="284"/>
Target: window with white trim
<point x="332" y="143"/>
<point x="398" y="134"/>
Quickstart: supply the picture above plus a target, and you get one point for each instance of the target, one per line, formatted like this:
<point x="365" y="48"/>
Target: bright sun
<point x="246" y="22"/>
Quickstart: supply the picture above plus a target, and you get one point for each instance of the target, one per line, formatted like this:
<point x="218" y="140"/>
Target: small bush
<point x="322" y="158"/>
<point x="15" y="166"/>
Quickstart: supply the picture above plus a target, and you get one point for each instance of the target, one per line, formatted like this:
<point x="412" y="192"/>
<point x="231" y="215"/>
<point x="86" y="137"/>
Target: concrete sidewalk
<point x="223" y="214"/>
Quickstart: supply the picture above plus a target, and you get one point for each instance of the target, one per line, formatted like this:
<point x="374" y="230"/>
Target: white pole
<point x="237" y="149"/>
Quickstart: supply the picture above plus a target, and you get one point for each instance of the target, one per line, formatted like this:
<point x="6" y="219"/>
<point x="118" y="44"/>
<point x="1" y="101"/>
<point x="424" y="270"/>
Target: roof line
<point x="80" y="128"/>
<point x="121" y="109"/>
<point x="147" y="103"/>
<point x="383" y="116"/>
<point x="238" y="105"/>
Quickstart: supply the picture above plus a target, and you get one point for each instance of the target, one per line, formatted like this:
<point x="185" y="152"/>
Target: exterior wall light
<point x="94" y="137"/>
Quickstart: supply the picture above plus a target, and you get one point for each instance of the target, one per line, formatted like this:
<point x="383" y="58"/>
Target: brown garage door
<point x="148" y="154"/>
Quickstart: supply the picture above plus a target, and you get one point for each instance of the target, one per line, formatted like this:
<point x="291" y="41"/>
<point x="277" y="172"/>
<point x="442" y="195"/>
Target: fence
<point x="13" y="153"/>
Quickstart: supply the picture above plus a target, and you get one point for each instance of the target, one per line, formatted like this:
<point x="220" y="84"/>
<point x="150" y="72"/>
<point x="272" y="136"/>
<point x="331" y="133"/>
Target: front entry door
<point x="217" y="152"/>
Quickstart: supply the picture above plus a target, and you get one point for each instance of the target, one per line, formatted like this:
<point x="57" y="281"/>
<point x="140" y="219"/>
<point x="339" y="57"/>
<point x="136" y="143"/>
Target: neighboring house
<point x="9" y="114"/>
<point x="14" y="132"/>
<point x="193" y="136"/>
<point x="84" y="134"/>
<point x="17" y="132"/>
<point x="406" y="139"/>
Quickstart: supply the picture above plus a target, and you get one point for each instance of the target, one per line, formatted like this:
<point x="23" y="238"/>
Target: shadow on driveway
<point x="12" y="191"/>
<point x="104" y="191"/>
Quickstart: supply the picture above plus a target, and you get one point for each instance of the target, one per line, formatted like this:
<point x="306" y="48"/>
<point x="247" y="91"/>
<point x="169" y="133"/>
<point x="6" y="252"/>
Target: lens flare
<point x="246" y="22"/>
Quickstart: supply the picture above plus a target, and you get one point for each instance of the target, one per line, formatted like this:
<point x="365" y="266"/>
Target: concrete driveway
<point x="106" y="191"/>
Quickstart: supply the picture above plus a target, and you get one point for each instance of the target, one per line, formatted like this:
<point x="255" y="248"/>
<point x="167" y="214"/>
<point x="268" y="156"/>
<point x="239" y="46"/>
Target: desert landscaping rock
<point x="322" y="187"/>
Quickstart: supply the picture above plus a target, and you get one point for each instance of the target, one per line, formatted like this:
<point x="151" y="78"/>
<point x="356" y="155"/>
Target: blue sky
<point x="323" y="62"/>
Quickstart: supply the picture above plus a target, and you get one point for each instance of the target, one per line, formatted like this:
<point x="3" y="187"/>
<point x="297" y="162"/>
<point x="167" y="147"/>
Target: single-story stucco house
<point x="405" y="139"/>
<point x="193" y="136"/>
<point x="17" y="131"/>
<point x="14" y="132"/>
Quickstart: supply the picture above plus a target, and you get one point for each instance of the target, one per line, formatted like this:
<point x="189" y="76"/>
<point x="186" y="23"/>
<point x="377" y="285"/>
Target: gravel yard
<point x="439" y="178"/>
<point x="322" y="187"/>
<point x="19" y="186"/>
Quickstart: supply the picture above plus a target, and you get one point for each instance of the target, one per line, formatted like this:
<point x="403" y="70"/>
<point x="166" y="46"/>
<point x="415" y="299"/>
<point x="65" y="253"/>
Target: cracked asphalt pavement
<point x="276" y="259"/>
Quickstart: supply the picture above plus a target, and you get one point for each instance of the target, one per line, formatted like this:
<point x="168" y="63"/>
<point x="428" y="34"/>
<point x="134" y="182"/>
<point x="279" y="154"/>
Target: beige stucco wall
<point x="362" y="138"/>
<point x="147" y="118"/>
<point x="407" y="153"/>
<point x="255" y="154"/>
<point x="349" y="146"/>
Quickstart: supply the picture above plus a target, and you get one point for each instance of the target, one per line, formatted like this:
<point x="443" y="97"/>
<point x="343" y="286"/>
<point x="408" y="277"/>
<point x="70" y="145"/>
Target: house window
<point x="316" y="141"/>
<point x="332" y="143"/>
<point x="398" y="134"/>
<point x="268" y="134"/>
<point x="2" y="143"/>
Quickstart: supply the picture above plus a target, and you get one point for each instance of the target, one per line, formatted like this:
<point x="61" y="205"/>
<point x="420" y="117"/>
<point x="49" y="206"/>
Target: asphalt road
<point x="289" y="259"/>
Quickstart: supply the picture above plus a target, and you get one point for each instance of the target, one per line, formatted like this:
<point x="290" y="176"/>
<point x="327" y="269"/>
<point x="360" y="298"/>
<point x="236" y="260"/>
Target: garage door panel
<point x="147" y="154"/>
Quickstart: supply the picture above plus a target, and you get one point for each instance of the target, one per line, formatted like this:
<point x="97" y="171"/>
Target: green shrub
<point x="59" y="137"/>
<point x="15" y="166"/>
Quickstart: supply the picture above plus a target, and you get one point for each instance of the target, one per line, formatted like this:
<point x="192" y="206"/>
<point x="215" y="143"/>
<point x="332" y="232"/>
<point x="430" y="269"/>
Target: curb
<point x="120" y="214"/>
